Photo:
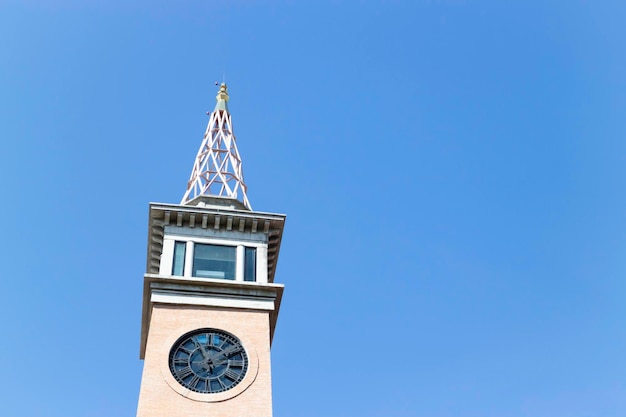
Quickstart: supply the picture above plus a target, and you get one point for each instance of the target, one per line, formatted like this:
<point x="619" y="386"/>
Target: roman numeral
<point x="184" y="372"/>
<point x="194" y="381"/>
<point x="181" y="361"/>
<point x="184" y="349"/>
<point x="231" y="374"/>
<point x="235" y="362"/>
<point x="230" y="350"/>
<point x="195" y="342"/>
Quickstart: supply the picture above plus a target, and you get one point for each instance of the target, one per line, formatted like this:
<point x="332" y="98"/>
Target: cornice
<point x="198" y="292"/>
<point x="216" y="218"/>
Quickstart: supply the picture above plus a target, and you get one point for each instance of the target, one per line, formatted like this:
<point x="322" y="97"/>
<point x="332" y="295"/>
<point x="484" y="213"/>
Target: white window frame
<point x="167" y="257"/>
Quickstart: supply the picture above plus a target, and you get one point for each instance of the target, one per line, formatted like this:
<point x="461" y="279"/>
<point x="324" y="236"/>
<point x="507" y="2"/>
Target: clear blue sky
<point x="453" y="174"/>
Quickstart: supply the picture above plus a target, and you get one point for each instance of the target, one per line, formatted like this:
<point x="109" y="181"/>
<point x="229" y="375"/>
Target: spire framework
<point x="218" y="170"/>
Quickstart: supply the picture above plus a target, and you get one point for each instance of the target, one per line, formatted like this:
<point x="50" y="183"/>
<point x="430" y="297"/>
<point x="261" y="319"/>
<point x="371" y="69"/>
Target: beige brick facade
<point x="160" y="396"/>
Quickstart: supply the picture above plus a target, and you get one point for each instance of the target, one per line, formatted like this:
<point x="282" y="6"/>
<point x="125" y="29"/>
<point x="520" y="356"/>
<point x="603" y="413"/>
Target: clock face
<point x="208" y="361"/>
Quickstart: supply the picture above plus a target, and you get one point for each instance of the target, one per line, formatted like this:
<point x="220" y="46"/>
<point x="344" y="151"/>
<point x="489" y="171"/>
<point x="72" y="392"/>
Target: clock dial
<point x="208" y="361"/>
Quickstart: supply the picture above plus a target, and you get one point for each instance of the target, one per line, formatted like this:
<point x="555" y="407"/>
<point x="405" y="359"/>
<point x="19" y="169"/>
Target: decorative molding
<point x="168" y="289"/>
<point x="248" y="221"/>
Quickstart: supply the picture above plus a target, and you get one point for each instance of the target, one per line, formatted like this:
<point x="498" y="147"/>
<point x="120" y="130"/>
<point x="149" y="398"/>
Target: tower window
<point x="178" y="266"/>
<point x="249" y="272"/>
<point x="214" y="261"/>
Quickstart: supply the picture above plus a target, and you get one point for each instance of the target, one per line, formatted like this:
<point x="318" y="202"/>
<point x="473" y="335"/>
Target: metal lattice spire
<point x="217" y="170"/>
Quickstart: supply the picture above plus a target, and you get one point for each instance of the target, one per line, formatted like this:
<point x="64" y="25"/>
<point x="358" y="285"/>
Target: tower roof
<point x="217" y="170"/>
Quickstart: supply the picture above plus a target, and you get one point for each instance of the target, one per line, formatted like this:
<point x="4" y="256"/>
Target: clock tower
<point x="210" y="303"/>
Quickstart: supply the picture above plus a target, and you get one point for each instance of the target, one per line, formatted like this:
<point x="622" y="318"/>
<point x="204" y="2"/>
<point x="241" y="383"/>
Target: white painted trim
<point x="189" y="258"/>
<point x="239" y="267"/>
<point x="215" y="240"/>
<point x="261" y="264"/>
<point x="165" y="297"/>
<point x="167" y="257"/>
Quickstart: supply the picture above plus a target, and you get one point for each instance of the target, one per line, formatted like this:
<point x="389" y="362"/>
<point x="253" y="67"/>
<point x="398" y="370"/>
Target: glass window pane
<point x="213" y="261"/>
<point x="178" y="266"/>
<point x="249" y="273"/>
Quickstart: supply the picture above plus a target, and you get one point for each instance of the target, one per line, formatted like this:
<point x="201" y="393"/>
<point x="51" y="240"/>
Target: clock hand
<point x="205" y="354"/>
<point x="224" y="352"/>
<point x="220" y="361"/>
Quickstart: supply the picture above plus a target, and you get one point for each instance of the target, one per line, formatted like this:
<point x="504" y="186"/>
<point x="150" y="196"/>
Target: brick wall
<point x="161" y="397"/>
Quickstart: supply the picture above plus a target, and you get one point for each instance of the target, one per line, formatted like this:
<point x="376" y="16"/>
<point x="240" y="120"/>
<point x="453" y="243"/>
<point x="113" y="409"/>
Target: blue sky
<point x="452" y="172"/>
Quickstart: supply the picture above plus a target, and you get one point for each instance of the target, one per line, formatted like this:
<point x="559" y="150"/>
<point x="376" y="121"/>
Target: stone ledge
<point x="167" y="289"/>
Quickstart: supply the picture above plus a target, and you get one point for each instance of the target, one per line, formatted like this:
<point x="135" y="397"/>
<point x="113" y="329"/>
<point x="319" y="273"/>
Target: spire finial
<point x="218" y="170"/>
<point x="222" y="98"/>
<point x="223" y="93"/>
